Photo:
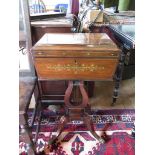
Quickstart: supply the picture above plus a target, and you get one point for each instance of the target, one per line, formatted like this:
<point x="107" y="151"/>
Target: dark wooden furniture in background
<point x="76" y="57"/>
<point x="26" y="89"/>
<point x="53" y="92"/>
<point x="51" y="25"/>
<point x="121" y="29"/>
<point x="124" y="36"/>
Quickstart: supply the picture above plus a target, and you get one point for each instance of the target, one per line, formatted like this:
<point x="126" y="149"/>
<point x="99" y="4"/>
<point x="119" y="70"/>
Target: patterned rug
<point x="76" y="140"/>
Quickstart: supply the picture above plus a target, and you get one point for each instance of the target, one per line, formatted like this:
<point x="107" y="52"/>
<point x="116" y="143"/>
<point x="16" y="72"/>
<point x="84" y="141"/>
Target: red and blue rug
<point x="76" y="140"/>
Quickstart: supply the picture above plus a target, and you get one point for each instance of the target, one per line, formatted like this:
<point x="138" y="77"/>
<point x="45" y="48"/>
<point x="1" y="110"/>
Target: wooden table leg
<point x="79" y="111"/>
<point x="118" y="76"/>
<point x="52" y="143"/>
<point x="89" y="123"/>
<point x="63" y="121"/>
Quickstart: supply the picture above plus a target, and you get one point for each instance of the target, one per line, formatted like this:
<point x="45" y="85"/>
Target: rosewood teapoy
<point x="75" y="57"/>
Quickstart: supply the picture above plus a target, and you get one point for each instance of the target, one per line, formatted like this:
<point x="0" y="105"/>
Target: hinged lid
<point x="75" y="41"/>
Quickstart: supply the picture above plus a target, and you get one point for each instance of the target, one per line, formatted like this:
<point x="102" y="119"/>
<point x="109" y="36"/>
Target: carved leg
<point x="116" y="91"/>
<point x="118" y="76"/>
<point x="63" y="121"/>
<point x="52" y="143"/>
<point x="89" y="124"/>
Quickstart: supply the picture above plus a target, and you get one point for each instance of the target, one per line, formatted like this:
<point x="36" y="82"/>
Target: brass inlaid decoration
<point x="75" y="67"/>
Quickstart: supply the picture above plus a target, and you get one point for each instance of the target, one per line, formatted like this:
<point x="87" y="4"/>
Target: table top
<point x="80" y="41"/>
<point x="123" y="17"/>
<point x="66" y="21"/>
<point x="126" y="32"/>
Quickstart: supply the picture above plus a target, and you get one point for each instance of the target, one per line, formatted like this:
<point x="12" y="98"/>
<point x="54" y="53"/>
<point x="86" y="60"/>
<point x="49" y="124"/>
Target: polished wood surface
<point x="79" y="68"/>
<point x="53" y="25"/>
<point x="38" y="32"/>
<point x="95" y="56"/>
<point x="80" y="41"/>
<point x="62" y="22"/>
<point x="75" y="53"/>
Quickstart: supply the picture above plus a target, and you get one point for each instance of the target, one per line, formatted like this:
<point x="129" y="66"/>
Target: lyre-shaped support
<point x="69" y="91"/>
<point x="74" y="112"/>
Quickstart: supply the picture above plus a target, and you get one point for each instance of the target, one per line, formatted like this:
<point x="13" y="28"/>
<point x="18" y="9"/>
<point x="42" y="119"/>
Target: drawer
<point x="75" y="68"/>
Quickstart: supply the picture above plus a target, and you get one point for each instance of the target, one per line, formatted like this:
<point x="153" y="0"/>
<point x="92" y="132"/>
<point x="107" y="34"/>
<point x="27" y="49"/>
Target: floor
<point x="102" y="98"/>
<point x="103" y="95"/>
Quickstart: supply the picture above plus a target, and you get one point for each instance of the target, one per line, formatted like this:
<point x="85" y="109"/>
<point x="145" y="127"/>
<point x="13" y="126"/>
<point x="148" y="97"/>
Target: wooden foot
<point x="89" y="123"/>
<point x="113" y="101"/>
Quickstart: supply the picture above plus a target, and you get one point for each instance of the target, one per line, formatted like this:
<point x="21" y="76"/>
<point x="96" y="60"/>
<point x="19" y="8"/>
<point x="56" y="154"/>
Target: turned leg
<point x="89" y="123"/>
<point x="118" y="76"/>
<point x="116" y="90"/>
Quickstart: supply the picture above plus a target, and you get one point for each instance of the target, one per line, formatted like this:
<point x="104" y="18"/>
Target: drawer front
<point x="75" y="68"/>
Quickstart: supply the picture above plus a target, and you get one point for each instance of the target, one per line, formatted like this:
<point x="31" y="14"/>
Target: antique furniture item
<point x="75" y="57"/>
<point x="26" y="89"/>
<point x="51" y="25"/>
<point x="124" y="36"/>
<point x="123" y="17"/>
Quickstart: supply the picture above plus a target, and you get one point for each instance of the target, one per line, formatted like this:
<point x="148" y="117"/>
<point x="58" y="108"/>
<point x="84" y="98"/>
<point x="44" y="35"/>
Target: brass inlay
<point x="75" y="67"/>
<point x="40" y="53"/>
<point x="64" y="53"/>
